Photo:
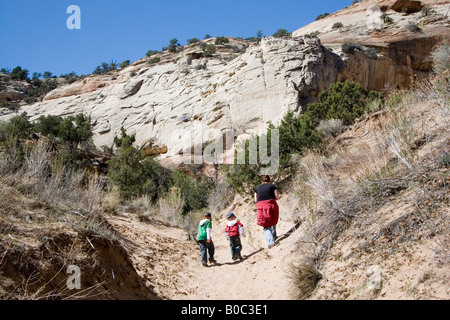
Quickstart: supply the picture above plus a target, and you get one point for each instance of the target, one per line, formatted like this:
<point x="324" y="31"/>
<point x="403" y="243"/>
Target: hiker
<point x="233" y="231"/>
<point x="205" y="240"/>
<point x="266" y="196"/>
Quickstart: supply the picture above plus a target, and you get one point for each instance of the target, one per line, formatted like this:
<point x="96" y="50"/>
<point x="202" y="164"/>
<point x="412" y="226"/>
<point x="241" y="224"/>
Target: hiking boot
<point x="238" y="256"/>
<point x="204" y="263"/>
<point x="212" y="261"/>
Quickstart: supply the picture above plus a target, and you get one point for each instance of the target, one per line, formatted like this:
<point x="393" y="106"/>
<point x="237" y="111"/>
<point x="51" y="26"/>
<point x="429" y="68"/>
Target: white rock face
<point x="191" y="100"/>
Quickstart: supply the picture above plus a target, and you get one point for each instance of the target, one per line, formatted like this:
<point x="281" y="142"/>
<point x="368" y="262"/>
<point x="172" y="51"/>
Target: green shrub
<point x="124" y="64"/>
<point x="297" y="134"/>
<point x="71" y="77"/>
<point x="19" y="74"/>
<point x="321" y="16"/>
<point x="18" y="126"/>
<point x="75" y="130"/>
<point x="350" y="48"/>
<point x="259" y="36"/>
<point x="426" y="11"/>
<point x="157" y="179"/>
<point x="413" y="26"/>
<point x="135" y="176"/>
<point x="4" y="104"/>
<point x="281" y="33"/>
<point x="48" y="75"/>
<point x="97" y="70"/>
<point x="444" y="159"/>
<point x="192" y="41"/>
<point x="221" y="40"/>
<point x="195" y="192"/>
<point x="151" y="53"/>
<point x="208" y="49"/>
<point x="154" y="60"/>
<point x="337" y="25"/>
<point x="48" y="125"/>
<point x="386" y="18"/>
<point x="347" y="101"/>
<point x="125" y="170"/>
<point x="105" y="68"/>
<point x="200" y="67"/>
<point x="244" y="178"/>
<point x="173" y="45"/>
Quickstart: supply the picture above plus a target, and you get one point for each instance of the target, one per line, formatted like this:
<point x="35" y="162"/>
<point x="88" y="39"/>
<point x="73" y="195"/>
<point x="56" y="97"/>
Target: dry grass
<point x="332" y="127"/>
<point x="171" y="208"/>
<point x="167" y="210"/>
<point x="48" y="193"/>
<point x="304" y="277"/>
<point x="62" y="187"/>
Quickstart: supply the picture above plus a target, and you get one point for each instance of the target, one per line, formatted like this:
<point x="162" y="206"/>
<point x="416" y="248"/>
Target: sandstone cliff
<point x="186" y="94"/>
<point x="403" y="32"/>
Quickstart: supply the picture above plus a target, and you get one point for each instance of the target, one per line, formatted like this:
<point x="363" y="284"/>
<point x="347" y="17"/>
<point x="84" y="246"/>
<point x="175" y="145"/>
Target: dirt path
<point x="171" y="264"/>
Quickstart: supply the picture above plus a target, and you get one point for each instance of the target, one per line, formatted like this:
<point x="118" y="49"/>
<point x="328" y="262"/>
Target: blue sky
<point x="34" y="34"/>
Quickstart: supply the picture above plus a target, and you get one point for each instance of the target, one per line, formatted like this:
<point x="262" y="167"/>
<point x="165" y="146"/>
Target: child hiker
<point x="205" y="240"/>
<point x="233" y="231"/>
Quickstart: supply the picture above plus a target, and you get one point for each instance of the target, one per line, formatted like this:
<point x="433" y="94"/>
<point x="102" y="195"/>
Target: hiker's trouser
<point x="206" y="249"/>
<point x="236" y="246"/>
<point x="270" y="234"/>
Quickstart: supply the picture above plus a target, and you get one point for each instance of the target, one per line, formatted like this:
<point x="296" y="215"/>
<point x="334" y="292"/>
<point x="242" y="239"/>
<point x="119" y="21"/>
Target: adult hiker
<point x="266" y="196"/>
<point x="205" y="240"/>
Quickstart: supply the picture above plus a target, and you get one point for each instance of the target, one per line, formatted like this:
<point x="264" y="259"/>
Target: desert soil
<point x="170" y="262"/>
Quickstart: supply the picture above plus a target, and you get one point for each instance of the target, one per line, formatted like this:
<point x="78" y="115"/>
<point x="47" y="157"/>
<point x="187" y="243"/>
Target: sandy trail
<point x="170" y="263"/>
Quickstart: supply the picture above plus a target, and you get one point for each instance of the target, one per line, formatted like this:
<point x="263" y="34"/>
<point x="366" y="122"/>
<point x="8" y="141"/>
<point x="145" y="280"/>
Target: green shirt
<point x="203" y="232"/>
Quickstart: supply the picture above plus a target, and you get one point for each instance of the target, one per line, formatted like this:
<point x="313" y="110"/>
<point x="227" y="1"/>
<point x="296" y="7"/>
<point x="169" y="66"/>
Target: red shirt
<point x="232" y="228"/>
<point x="267" y="213"/>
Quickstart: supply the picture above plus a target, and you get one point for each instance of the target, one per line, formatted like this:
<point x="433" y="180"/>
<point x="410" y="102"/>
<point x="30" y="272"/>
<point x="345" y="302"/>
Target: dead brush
<point x="39" y="286"/>
<point x="305" y="277"/>
<point x="322" y="185"/>
<point x="401" y="136"/>
<point x="62" y="189"/>
<point x="304" y="274"/>
<point x="365" y="161"/>
<point x="171" y="208"/>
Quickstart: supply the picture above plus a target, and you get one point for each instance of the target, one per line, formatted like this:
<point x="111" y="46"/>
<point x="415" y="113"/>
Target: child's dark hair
<point x="265" y="178"/>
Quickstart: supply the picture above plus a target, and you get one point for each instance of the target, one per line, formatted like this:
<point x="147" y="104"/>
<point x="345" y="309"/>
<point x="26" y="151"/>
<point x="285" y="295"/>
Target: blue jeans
<point x="206" y="249"/>
<point x="236" y="246"/>
<point x="270" y="234"/>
